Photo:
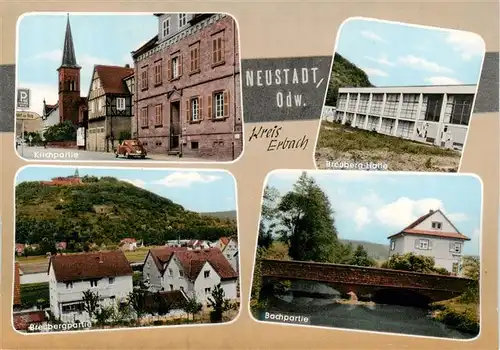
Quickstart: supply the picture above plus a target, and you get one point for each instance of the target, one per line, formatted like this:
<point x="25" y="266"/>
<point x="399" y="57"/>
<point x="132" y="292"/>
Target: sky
<point x="196" y="190"/>
<point x="371" y="206"/>
<point x="395" y="54"/>
<point x="99" y="39"/>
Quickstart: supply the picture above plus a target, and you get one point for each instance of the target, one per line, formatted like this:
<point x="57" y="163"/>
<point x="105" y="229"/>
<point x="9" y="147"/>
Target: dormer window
<point x="437" y="225"/>
<point x="182" y="20"/>
<point x="165" y="27"/>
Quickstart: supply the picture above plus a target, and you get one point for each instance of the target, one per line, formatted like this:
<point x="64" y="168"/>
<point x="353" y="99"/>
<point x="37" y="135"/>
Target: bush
<point x="461" y="317"/>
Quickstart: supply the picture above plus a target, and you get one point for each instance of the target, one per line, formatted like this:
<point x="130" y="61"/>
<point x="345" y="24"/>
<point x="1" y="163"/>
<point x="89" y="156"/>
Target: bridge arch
<point x="400" y="296"/>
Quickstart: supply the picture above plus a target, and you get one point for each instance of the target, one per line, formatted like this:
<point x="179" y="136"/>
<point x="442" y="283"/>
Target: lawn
<point x="338" y="142"/>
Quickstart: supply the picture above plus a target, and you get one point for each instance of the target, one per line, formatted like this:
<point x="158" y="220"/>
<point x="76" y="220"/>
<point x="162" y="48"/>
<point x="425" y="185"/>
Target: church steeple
<point x="69" y="57"/>
<point x="77" y="173"/>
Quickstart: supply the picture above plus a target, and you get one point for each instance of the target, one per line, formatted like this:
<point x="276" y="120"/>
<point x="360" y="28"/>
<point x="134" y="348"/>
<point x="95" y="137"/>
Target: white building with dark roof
<point x="433" y="235"/>
<point x="437" y="115"/>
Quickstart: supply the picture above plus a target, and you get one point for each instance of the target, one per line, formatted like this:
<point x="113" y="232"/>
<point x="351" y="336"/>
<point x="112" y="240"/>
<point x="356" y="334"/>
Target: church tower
<point x="69" y="81"/>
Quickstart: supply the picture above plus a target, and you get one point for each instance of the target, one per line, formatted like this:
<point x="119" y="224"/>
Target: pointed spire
<point x="77" y="173"/>
<point x="69" y="57"/>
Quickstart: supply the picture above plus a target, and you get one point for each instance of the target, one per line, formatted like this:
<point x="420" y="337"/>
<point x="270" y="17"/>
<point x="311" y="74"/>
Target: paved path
<point x="58" y="154"/>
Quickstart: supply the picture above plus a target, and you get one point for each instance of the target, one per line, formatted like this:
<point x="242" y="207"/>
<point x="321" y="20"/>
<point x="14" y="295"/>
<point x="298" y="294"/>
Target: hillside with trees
<point x="105" y="210"/>
<point x="344" y="74"/>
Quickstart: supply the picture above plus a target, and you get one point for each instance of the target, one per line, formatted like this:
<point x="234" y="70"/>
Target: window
<point x="111" y="280"/>
<point x="171" y="287"/>
<point x="437" y="225"/>
<point x="207" y="290"/>
<point x="393" y="245"/>
<point x="170" y="272"/>
<point x="120" y="103"/>
<point x="93" y="283"/>
<point x="195" y="109"/>
<point x="391" y="105"/>
<point x="194" y="144"/>
<point x="195" y="57"/>
<point x="423" y="244"/>
<point x="387" y="125"/>
<point x="372" y="123"/>
<point x="159" y="115"/>
<point x="218" y="49"/>
<point x="455" y="268"/>
<point x="433" y="107"/>
<point x="342" y="102"/>
<point x="182" y="20"/>
<point x="461" y="109"/>
<point x="175" y="67"/>
<point x="410" y="106"/>
<point x="165" y="27"/>
<point x="158" y="68"/>
<point x="144" y="78"/>
<point x="456" y="247"/>
<point x="351" y="105"/>
<point x="363" y="103"/>
<point x="144" y="117"/>
<point x="206" y="274"/>
<point x="219" y="105"/>
<point x="405" y="128"/>
<point x="376" y="105"/>
<point x="69" y="285"/>
<point x="181" y="273"/>
<point x="72" y="308"/>
<point x="100" y="102"/>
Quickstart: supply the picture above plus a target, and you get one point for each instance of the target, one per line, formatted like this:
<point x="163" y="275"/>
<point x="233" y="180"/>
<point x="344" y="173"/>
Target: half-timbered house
<point x="109" y="108"/>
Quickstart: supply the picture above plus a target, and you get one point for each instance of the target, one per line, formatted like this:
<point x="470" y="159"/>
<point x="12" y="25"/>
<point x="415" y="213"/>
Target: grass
<point x="459" y="315"/>
<point x="337" y="142"/>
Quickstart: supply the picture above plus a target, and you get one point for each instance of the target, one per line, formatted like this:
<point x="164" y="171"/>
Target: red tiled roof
<point x="24" y="319"/>
<point x="74" y="267"/>
<point x="224" y="240"/>
<point x="19" y="247"/>
<point x="17" y="285"/>
<point x="192" y="262"/>
<point x="111" y="78"/>
<point x="128" y="240"/>
<point x="162" y="255"/>
<point x="410" y="229"/>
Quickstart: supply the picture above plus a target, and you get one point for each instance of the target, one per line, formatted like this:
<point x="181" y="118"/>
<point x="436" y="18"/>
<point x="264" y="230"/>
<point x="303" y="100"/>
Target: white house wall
<point x="172" y="279"/>
<point x="201" y="283"/>
<point x="40" y="277"/>
<point x="151" y="273"/>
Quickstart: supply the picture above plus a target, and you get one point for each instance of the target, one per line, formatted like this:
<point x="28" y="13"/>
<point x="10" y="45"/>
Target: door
<point x="175" y="125"/>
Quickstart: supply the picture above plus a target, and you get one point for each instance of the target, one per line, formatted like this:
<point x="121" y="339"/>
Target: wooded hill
<point x="344" y="74"/>
<point x="105" y="210"/>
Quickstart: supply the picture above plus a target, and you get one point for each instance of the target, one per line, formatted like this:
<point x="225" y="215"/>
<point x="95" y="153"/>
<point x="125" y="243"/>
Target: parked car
<point x="131" y="149"/>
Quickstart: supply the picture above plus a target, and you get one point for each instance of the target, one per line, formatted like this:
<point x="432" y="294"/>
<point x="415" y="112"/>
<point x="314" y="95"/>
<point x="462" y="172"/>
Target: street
<point x="40" y="153"/>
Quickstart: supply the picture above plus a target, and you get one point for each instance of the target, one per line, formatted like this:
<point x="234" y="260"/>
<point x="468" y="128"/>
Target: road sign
<point x="23" y="98"/>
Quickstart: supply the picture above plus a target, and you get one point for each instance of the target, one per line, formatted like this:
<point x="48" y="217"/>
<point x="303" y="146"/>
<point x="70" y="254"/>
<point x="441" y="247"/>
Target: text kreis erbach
<point x="276" y="142"/>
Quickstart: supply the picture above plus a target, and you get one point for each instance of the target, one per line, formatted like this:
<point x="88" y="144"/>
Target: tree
<point x="309" y="227"/>
<point x="104" y="314"/>
<point x="192" y="307"/>
<point x="268" y="218"/>
<point x="410" y="262"/>
<point x="219" y="303"/>
<point x="360" y="257"/>
<point x="471" y="269"/>
<point x="90" y="302"/>
<point x="137" y="300"/>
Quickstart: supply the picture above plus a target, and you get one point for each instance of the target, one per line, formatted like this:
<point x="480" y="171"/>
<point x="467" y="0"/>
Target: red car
<point x="131" y="149"/>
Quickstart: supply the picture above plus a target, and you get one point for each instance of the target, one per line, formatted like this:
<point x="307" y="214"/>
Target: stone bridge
<point x="381" y="285"/>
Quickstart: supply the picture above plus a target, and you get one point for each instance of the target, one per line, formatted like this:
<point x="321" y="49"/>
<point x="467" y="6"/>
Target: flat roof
<point x="437" y="89"/>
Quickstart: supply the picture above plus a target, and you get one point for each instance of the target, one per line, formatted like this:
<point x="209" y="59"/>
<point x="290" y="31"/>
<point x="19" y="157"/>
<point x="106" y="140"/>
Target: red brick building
<point x="187" y="92"/>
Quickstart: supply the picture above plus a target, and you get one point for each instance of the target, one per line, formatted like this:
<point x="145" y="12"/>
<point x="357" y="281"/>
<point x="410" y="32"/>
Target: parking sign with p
<point x="23" y="98"/>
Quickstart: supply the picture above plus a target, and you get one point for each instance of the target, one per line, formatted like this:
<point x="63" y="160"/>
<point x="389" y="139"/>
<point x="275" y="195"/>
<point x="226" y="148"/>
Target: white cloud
<point x="466" y="44"/>
<point x="442" y="80"/>
<point x="381" y="60"/>
<point x="372" y="36"/>
<point x="362" y="217"/>
<point x="39" y="92"/>
<point x="423" y="64"/>
<point x="403" y="211"/>
<point x="186" y="179"/>
<point x="54" y="56"/>
<point x="137" y="182"/>
<point x="375" y="72"/>
<point x="457" y="217"/>
<point x="476" y="234"/>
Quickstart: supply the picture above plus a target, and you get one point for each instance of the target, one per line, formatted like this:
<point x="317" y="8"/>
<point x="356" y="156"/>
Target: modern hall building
<point x="437" y="115"/>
